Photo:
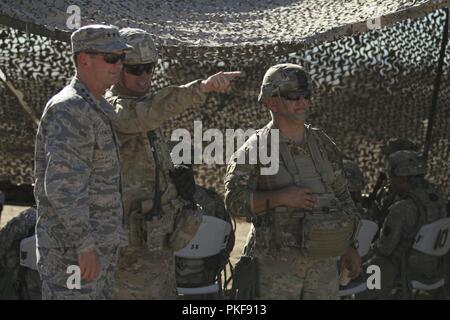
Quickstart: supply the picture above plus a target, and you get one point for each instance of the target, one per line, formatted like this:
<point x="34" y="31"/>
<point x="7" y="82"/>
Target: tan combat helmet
<point x="405" y="163"/>
<point x="354" y="176"/>
<point x="397" y="144"/>
<point x="144" y="49"/>
<point x="286" y="80"/>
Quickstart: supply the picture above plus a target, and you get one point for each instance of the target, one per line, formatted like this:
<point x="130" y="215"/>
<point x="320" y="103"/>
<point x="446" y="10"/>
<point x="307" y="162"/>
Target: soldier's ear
<point x="271" y="104"/>
<point x="84" y="59"/>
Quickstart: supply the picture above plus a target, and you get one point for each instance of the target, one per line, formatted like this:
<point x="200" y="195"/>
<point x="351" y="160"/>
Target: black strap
<point x="155" y="212"/>
<point x="272" y="218"/>
<point x="381" y="180"/>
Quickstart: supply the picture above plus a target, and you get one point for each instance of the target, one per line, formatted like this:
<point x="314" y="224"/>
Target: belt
<point x="300" y="213"/>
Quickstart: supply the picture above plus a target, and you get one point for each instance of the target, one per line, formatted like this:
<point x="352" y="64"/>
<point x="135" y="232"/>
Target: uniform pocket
<point x="158" y="231"/>
<point x="327" y="235"/>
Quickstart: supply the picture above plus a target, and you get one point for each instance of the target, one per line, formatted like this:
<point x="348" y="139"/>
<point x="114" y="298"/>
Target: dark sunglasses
<point x="139" y="69"/>
<point x="295" y="96"/>
<point x="109" y="57"/>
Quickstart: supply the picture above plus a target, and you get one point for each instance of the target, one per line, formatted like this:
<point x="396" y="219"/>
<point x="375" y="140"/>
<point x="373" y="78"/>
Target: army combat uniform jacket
<point x="316" y="165"/>
<point x="135" y="117"/>
<point x="420" y="206"/>
<point x="405" y="217"/>
<point x="279" y="238"/>
<point x="146" y="267"/>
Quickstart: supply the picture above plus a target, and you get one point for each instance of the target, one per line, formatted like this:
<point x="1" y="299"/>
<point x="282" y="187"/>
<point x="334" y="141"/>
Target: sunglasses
<point x="109" y="57"/>
<point x="294" y="96"/>
<point x="139" y="69"/>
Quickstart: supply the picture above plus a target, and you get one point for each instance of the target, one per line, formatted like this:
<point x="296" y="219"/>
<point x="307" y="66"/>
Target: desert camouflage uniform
<point x="146" y="273"/>
<point x="285" y="270"/>
<point x="77" y="190"/>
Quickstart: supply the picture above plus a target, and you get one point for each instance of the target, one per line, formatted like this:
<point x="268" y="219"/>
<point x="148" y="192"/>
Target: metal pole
<point x="437" y="84"/>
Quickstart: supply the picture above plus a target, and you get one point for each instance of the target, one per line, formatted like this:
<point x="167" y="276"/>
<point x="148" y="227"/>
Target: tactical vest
<point x="327" y="230"/>
<point x="139" y="179"/>
<point x="169" y="229"/>
<point x="430" y="207"/>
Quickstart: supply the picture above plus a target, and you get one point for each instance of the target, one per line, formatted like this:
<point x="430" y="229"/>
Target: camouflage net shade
<point x="368" y="86"/>
<point x="219" y="23"/>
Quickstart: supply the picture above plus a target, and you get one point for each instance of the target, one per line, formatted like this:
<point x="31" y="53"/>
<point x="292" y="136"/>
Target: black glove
<point x="183" y="177"/>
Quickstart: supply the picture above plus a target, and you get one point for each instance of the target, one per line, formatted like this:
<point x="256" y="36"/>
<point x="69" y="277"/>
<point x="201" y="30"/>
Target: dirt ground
<point x="242" y="229"/>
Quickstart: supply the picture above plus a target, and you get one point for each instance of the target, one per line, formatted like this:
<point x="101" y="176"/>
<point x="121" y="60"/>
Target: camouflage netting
<point x="368" y="86"/>
<point x="219" y="23"/>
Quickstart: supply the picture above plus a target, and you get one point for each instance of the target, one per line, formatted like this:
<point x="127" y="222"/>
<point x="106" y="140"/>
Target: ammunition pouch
<point x="186" y="224"/>
<point x="286" y="224"/>
<point x="328" y="234"/>
<point x="245" y="279"/>
<point x="136" y="232"/>
<point x="163" y="226"/>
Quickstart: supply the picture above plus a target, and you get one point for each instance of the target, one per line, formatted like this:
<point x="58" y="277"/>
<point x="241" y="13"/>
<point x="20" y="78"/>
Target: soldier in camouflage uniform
<point x="146" y="266"/>
<point x="418" y="203"/>
<point x="383" y="197"/>
<point x="303" y="216"/>
<point x="77" y="173"/>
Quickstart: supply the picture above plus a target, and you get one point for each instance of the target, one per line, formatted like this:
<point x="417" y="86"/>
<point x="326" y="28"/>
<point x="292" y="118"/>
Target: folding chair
<point x="210" y="240"/>
<point x="432" y="239"/>
<point x="367" y="232"/>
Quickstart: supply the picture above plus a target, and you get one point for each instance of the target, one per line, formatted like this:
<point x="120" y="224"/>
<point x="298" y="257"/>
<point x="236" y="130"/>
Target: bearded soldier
<point x="303" y="216"/>
<point x="158" y="205"/>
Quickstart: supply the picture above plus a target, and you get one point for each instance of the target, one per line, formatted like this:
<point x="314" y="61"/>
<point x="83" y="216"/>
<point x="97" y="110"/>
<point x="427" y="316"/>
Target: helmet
<point x="284" y="79"/>
<point x="354" y="176"/>
<point x="405" y="163"/>
<point x="397" y="144"/>
<point x="144" y="49"/>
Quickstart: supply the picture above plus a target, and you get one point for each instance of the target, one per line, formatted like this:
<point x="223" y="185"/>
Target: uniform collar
<point x="100" y="104"/>
<point x="114" y="92"/>
<point x="283" y="138"/>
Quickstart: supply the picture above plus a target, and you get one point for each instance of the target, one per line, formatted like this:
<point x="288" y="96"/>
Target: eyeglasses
<point x="294" y="96"/>
<point x="139" y="69"/>
<point x="110" y="57"/>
